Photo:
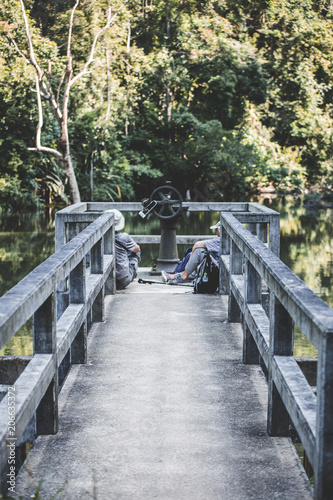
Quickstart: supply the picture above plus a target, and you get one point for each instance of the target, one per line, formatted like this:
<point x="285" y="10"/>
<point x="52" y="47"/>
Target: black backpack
<point x="207" y="279"/>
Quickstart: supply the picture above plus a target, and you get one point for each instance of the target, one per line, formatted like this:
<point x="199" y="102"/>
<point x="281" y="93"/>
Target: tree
<point x="60" y="110"/>
<point x="297" y="43"/>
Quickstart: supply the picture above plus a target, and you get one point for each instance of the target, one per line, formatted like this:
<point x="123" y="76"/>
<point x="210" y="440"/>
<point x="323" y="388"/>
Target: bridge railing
<point x="248" y="271"/>
<point x="59" y="333"/>
<point x="71" y="220"/>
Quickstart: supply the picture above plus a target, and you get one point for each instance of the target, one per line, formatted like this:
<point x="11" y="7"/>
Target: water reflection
<point x="306" y="244"/>
<point x="306" y="247"/>
<point x="25" y="242"/>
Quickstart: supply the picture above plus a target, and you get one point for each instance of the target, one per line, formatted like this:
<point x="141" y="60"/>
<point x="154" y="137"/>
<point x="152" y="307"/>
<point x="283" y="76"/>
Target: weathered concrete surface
<point x="166" y="410"/>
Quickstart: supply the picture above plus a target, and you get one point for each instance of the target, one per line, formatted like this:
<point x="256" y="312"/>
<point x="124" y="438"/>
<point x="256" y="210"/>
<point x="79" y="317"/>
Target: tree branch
<point x="110" y="19"/>
<point x="59" y="87"/>
<point x="70" y="30"/>
<point x="39" y="146"/>
<point x="40" y="73"/>
<point x="19" y="51"/>
<point x="31" y="49"/>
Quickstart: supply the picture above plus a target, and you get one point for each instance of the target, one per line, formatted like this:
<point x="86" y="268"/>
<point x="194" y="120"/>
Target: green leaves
<point x="236" y="94"/>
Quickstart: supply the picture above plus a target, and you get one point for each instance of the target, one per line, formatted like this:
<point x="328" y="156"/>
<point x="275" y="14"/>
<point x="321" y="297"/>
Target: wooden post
<point x="323" y="466"/>
<point x="236" y="267"/>
<point x="252" y="295"/>
<point x="77" y="295"/>
<point x="44" y="339"/>
<point x="281" y="344"/>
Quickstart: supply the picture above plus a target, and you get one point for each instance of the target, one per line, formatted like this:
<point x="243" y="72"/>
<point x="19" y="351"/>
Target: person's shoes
<point x="165" y="276"/>
<point x="177" y="280"/>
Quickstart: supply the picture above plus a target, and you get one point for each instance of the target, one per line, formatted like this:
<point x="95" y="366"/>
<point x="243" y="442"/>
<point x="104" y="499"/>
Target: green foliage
<point x="14" y="194"/>
<point x="298" y="46"/>
<point x="232" y="95"/>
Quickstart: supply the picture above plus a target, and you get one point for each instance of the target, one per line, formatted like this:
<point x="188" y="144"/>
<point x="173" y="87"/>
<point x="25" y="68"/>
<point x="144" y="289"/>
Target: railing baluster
<point x="324" y="463"/>
<point x="252" y="295"/>
<point x="109" y="249"/>
<point x="224" y="277"/>
<point x="97" y="268"/>
<point x="97" y="312"/>
<point x="236" y="267"/>
<point x="77" y="295"/>
<point x="281" y="344"/>
<point x="44" y="339"/>
<point x="97" y="258"/>
<point x="274" y="234"/>
<point x="252" y="227"/>
<point x="262" y="232"/>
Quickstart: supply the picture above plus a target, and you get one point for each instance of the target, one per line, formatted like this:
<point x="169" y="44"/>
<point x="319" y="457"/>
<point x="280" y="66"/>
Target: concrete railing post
<point x="44" y="340"/>
<point x="236" y="267"/>
<point x="324" y="422"/>
<point x="96" y="267"/>
<point x="252" y="295"/>
<point x="274" y="234"/>
<point x="224" y="250"/>
<point x="262" y="232"/>
<point x="281" y="344"/>
<point x="252" y="227"/>
<point x="77" y="295"/>
<point x="262" y="235"/>
<point x="110" y="249"/>
<point x="60" y="241"/>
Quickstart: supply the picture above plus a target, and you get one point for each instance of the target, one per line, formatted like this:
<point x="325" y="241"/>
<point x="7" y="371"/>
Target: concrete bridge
<point x="171" y="395"/>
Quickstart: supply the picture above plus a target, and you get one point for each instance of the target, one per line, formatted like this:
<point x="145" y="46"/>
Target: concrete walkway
<point x="164" y="409"/>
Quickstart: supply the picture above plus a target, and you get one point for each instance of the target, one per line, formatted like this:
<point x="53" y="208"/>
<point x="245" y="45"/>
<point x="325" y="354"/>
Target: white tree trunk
<point x="64" y="154"/>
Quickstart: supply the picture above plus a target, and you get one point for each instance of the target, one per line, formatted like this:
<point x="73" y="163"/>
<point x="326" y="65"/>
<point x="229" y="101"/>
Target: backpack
<point x="207" y="279"/>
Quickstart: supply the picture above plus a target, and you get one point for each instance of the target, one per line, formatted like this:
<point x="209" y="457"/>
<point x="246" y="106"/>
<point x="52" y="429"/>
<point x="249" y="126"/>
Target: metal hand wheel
<point x="168" y="202"/>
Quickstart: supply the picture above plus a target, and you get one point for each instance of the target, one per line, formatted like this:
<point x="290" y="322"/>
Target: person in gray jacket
<point x="198" y="253"/>
<point x="128" y="253"/>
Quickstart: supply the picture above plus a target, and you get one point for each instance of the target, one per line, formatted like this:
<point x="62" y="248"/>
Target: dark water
<point x="306" y="247"/>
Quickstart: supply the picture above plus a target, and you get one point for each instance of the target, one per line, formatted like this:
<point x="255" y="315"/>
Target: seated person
<point x="198" y="252"/>
<point x="128" y="253"/>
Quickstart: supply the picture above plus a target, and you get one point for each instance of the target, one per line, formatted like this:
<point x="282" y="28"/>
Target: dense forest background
<point x="222" y="98"/>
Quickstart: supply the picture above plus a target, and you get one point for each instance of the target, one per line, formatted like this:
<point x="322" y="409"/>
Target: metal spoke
<point x="168" y="202"/>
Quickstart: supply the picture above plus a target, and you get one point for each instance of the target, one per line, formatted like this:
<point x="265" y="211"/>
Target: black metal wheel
<point x="168" y="202"/>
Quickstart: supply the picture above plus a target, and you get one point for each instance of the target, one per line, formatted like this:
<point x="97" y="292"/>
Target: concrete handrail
<point x="59" y="333"/>
<point x="72" y="219"/>
<point x="249" y="271"/>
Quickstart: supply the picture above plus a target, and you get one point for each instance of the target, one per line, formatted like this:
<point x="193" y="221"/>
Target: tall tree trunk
<point x="64" y="154"/>
<point x="92" y="177"/>
<point x="167" y="77"/>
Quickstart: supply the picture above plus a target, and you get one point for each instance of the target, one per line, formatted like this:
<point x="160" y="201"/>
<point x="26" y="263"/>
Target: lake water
<point x="306" y="247"/>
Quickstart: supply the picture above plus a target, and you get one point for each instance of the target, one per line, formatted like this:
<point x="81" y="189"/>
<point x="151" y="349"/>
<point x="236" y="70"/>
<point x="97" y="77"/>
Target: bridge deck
<point x="164" y="409"/>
